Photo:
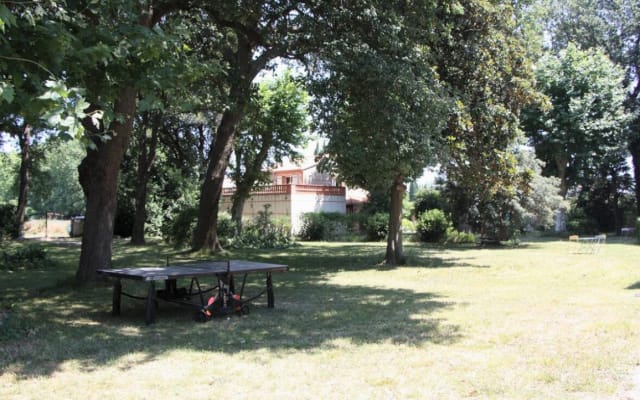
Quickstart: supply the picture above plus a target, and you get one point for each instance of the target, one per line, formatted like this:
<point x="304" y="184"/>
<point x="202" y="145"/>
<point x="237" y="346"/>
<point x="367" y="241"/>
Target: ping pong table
<point x="223" y="272"/>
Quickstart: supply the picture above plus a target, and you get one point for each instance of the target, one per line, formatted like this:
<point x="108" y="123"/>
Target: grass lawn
<point x="537" y="321"/>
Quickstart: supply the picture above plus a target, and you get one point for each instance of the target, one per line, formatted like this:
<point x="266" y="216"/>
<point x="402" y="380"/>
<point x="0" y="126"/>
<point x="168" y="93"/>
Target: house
<point x="294" y="191"/>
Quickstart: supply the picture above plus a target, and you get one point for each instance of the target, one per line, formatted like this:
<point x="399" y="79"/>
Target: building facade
<point x="294" y="191"/>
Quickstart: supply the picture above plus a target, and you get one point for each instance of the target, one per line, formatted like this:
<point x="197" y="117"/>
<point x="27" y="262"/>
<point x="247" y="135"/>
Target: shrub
<point x="408" y="225"/>
<point x="323" y="226"/>
<point x="24" y="257"/>
<point x="179" y="230"/>
<point x="432" y="225"/>
<point x="428" y="199"/>
<point x="263" y="233"/>
<point x="457" y="237"/>
<point x="376" y="226"/>
<point x="8" y="223"/>
<point x="579" y="223"/>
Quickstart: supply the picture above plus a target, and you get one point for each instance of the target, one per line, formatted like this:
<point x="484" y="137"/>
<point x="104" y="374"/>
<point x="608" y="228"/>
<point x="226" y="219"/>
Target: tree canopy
<point x="586" y="123"/>
<point x="163" y="95"/>
<point x="274" y="128"/>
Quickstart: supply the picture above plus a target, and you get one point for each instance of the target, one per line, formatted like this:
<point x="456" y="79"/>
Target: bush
<point x="24" y="257"/>
<point x="8" y="224"/>
<point x="323" y="226"/>
<point x="428" y="199"/>
<point x="432" y="226"/>
<point x="179" y="230"/>
<point x="579" y="223"/>
<point x="263" y="233"/>
<point x="376" y="226"/>
<point x="457" y="237"/>
<point x="408" y="225"/>
<point x="227" y="227"/>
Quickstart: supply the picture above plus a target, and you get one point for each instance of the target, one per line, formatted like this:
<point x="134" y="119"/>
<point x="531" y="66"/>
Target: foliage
<point x="264" y="233"/>
<point x="8" y="223"/>
<point x="9" y="164"/>
<point x="408" y="225"/>
<point x="490" y="76"/>
<point x="579" y="222"/>
<point x="33" y="86"/>
<point x="456" y="237"/>
<point x="381" y="105"/>
<point x="30" y="256"/>
<point x="403" y="104"/>
<point x="179" y="229"/>
<point x="376" y="226"/>
<point x="502" y="218"/>
<point x="55" y="184"/>
<point x="125" y="214"/>
<point x="325" y="226"/>
<point x="585" y="126"/>
<point x="250" y="37"/>
<point x="274" y="128"/>
<point x="541" y="199"/>
<point x="428" y="199"/>
<point x="432" y="225"/>
<point x="226" y="226"/>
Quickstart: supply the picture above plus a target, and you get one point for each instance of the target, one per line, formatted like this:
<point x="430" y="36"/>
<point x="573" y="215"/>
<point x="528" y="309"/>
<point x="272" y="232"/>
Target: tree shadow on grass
<point x="634" y="286"/>
<point x="52" y="325"/>
<point x="78" y="326"/>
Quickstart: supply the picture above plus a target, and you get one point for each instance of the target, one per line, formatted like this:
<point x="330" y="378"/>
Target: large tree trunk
<point x="561" y="165"/>
<point x="246" y="68"/>
<point x="99" y="180"/>
<point x="395" y="253"/>
<point x="206" y="232"/>
<point x="24" y="139"/>
<point x="146" y="157"/>
<point x="237" y="208"/>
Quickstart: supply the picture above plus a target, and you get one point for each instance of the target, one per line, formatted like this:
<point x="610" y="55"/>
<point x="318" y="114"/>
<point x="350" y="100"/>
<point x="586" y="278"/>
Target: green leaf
<point x="6" y="92"/>
<point x="6" y="18"/>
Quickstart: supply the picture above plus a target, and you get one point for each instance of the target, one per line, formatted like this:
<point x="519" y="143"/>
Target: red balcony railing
<point x="289" y="189"/>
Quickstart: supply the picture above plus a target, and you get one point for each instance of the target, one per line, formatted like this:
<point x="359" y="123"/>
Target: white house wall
<point x="292" y="205"/>
<point x="279" y="205"/>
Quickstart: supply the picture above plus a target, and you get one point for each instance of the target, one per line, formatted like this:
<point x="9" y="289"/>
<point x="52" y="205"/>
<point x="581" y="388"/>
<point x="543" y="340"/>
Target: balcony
<point x="293" y="189"/>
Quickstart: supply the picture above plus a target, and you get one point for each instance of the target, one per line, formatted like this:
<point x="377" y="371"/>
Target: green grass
<point x="537" y="321"/>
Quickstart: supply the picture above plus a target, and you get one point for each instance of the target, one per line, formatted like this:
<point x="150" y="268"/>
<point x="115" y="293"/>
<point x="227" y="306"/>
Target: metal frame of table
<point x="223" y="271"/>
<point x="591" y="244"/>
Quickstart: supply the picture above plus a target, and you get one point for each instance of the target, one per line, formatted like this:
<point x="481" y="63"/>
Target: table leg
<point x="115" y="303"/>
<point x="270" y="298"/>
<point x="150" y="308"/>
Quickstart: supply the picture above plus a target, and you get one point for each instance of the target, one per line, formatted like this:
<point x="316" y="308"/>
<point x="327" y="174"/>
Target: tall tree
<point x="31" y="88"/>
<point x="380" y="104"/>
<point x="481" y="55"/>
<point x="273" y="128"/>
<point x="146" y="139"/>
<point x="118" y="50"/>
<point x="587" y="121"/>
<point x="614" y="27"/>
<point x="255" y="33"/>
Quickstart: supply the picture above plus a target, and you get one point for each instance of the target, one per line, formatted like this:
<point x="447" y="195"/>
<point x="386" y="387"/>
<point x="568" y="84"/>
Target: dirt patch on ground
<point x="46" y="228"/>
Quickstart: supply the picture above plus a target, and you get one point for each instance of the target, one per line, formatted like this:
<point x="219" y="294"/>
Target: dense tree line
<point x="163" y="96"/>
